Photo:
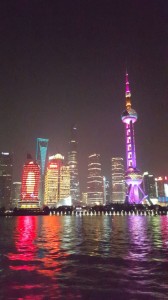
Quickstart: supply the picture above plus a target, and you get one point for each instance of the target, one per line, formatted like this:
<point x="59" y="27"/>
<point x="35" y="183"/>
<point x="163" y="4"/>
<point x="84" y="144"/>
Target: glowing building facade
<point x="118" y="180"/>
<point x="95" y="187"/>
<point x="16" y="193"/>
<point x="73" y="167"/>
<point x="84" y="198"/>
<point x="6" y="173"/>
<point x="57" y="182"/>
<point x="149" y="186"/>
<point x="41" y="155"/>
<point x="133" y="177"/>
<point x="30" y="185"/>
<point x="161" y="184"/>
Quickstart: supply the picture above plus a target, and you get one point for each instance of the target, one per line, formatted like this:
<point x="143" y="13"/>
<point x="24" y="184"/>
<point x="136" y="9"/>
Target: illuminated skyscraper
<point x="6" y="172"/>
<point x="133" y="177"/>
<point x="30" y="184"/>
<point x="16" y="193"/>
<point x="41" y="155"/>
<point x="95" y="190"/>
<point x="161" y="184"/>
<point x="149" y="186"/>
<point x="73" y="166"/>
<point x="57" y="182"/>
<point x="118" y="180"/>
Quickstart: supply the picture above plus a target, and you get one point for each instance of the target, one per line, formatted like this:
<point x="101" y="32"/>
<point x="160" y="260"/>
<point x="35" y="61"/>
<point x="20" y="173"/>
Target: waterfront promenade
<point x="116" y="209"/>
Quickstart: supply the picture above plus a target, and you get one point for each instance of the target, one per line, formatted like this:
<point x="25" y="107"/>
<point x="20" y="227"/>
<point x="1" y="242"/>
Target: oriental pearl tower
<point x="133" y="177"/>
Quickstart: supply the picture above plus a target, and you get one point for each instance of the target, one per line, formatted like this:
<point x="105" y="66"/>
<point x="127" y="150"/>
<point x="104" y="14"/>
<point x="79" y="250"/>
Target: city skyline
<point x="64" y="63"/>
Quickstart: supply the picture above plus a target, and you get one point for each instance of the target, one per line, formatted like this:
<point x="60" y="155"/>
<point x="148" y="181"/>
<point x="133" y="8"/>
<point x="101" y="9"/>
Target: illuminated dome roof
<point x="57" y="156"/>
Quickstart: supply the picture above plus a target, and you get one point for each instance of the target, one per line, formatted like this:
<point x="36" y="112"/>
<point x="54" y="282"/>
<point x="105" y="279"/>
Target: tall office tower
<point x="133" y="177"/>
<point x="16" y="193"/>
<point x="149" y="186"/>
<point x="30" y="184"/>
<point x="41" y="155"/>
<point x="162" y="189"/>
<point x="57" y="182"/>
<point x="118" y="180"/>
<point x="73" y="166"/>
<point x="6" y="172"/>
<point x="95" y="189"/>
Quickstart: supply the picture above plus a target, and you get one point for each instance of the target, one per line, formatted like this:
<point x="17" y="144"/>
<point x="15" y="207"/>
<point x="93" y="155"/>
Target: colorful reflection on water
<point x="89" y="257"/>
<point x="164" y="231"/>
<point x="24" y="243"/>
<point x="139" y="246"/>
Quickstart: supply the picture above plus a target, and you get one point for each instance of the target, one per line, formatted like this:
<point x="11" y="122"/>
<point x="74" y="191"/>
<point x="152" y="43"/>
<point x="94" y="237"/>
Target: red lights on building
<point x="30" y="181"/>
<point x="165" y="178"/>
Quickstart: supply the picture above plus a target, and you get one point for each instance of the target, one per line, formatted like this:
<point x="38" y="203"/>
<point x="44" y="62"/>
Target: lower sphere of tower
<point x="133" y="177"/>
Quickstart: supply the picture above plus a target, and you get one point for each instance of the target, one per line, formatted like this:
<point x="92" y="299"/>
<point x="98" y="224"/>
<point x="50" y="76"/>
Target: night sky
<point x="64" y="62"/>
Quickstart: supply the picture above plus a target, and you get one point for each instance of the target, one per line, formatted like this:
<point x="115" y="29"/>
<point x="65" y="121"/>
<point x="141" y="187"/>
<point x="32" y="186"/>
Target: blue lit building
<point x="41" y="155"/>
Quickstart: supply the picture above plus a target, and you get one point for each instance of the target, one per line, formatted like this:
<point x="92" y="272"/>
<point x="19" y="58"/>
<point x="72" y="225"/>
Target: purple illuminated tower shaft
<point x="133" y="177"/>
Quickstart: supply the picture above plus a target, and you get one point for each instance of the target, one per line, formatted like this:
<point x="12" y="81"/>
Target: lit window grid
<point x="32" y="184"/>
<point x="57" y="185"/>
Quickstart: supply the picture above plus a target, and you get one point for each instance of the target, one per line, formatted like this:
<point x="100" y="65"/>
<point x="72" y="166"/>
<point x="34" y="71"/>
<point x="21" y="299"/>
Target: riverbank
<point x="115" y="209"/>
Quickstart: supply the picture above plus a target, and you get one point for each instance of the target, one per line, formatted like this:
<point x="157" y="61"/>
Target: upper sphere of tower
<point x="129" y="115"/>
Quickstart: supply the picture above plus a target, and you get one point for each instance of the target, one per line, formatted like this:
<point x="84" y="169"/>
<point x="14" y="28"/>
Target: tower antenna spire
<point x="127" y="92"/>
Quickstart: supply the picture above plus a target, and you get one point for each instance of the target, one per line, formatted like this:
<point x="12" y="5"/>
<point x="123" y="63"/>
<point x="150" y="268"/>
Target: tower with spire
<point x="133" y="177"/>
<point x="73" y="166"/>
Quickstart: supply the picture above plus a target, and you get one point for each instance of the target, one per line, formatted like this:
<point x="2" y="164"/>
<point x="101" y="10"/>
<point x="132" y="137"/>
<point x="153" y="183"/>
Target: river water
<point x="84" y="257"/>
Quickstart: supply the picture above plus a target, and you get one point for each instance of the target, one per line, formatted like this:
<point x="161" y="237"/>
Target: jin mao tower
<point x="95" y="181"/>
<point x="73" y="167"/>
<point x="133" y="177"/>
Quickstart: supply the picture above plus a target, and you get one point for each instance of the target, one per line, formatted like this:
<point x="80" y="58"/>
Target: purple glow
<point x="130" y="145"/>
<point x="133" y="178"/>
<point x="127" y="91"/>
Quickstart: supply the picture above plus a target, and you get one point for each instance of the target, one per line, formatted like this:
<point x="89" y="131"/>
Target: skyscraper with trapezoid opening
<point x="41" y="155"/>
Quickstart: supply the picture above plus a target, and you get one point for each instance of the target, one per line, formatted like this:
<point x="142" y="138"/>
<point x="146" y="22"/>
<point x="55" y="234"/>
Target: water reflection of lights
<point x="139" y="245"/>
<point x="154" y="224"/>
<point x="24" y="242"/>
<point x="38" y="257"/>
<point x="49" y="247"/>
<point x="164" y="230"/>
